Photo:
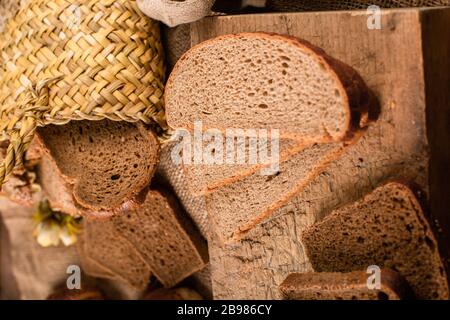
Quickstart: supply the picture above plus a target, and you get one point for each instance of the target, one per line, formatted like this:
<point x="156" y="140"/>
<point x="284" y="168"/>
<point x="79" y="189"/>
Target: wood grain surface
<point x="412" y="46"/>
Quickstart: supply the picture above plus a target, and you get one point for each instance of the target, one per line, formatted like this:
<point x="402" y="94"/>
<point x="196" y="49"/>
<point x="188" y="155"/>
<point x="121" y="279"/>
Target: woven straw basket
<point x="63" y="60"/>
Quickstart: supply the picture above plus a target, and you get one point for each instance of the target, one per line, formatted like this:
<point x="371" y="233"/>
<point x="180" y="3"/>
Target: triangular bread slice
<point x="167" y="240"/>
<point x="387" y="228"/>
<point x="266" y="81"/>
<point x="89" y="266"/>
<point x="344" y="286"/>
<point x="107" y="247"/>
<point x="236" y="208"/>
<point x="106" y="162"/>
<point x="204" y="178"/>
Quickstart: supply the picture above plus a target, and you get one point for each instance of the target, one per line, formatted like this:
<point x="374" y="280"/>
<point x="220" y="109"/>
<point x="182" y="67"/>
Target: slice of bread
<point x="387" y="228"/>
<point x="169" y="242"/>
<point x="89" y="266"/>
<point x="57" y="191"/>
<point x="204" y="178"/>
<point x="344" y="286"/>
<point x="236" y="208"/>
<point x="107" y="162"/>
<point x="106" y="246"/>
<point x="266" y="81"/>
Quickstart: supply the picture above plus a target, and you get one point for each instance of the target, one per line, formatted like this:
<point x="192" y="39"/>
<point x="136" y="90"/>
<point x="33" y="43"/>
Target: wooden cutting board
<point x="407" y="64"/>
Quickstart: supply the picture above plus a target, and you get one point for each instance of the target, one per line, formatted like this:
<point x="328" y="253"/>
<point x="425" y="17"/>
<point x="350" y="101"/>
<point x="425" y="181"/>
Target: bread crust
<point x="416" y="196"/>
<point x="245" y="228"/>
<point x="358" y="98"/>
<point x="242" y="173"/>
<point x="81" y="207"/>
<point x="393" y="285"/>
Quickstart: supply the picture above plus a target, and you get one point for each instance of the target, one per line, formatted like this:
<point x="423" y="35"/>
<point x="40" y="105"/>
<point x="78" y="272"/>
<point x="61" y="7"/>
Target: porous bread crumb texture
<point x="386" y="228"/>
<point x="236" y="208"/>
<point x="88" y="265"/>
<point x="258" y="80"/>
<point x="109" y="248"/>
<point x="204" y="178"/>
<point x="343" y="286"/>
<point x="56" y="190"/>
<point x="108" y="162"/>
<point x="171" y="249"/>
<point x="182" y="293"/>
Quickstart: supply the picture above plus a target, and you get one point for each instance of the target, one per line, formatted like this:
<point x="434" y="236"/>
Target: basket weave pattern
<point x="63" y="60"/>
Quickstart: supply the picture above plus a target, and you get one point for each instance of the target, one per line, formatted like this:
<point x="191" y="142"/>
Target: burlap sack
<point x="173" y="175"/>
<point x="175" y="12"/>
<point x="29" y="271"/>
<point x="177" y="41"/>
<point x="319" y="5"/>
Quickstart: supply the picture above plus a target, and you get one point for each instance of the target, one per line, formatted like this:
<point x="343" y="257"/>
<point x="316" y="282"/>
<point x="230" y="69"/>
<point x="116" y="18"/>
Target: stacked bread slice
<point x="387" y="228"/>
<point x="345" y="286"/>
<point x="152" y="238"/>
<point x="168" y="242"/>
<point x="108" y="249"/>
<point x="101" y="164"/>
<point x="270" y="83"/>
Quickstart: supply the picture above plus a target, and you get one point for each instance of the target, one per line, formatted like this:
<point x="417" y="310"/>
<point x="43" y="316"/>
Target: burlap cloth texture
<point x="175" y="12"/>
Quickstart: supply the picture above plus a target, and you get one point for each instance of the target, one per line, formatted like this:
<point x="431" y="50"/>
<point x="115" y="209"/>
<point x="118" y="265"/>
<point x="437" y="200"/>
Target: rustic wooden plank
<point x="391" y="60"/>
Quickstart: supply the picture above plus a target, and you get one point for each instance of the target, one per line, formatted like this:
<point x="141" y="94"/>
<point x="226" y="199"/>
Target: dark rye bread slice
<point x="107" y="247"/>
<point x="387" y="228"/>
<point x="106" y="162"/>
<point x="267" y="81"/>
<point x="60" y="195"/>
<point x="87" y="292"/>
<point x="169" y="243"/>
<point x="57" y="191"/>
<point x="204" y="178"/>
<point x="89" y="266"/>
<point x="344" y="286"/>
<point x="236" y="208"/>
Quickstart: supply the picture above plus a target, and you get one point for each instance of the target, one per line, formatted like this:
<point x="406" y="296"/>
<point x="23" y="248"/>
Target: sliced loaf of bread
<point x="107" y="247"/>
<point x="106" y="162"/>
<point x="344" y="286"/>
<point x="266" y="81"/>
<point x="387" y="228"/>
<point x="245" y="157"/>
<point x="88" y="265"/>
<point x="57" y="191"/>
<point x="167" y="240"/>
<point x="236" y="208"/>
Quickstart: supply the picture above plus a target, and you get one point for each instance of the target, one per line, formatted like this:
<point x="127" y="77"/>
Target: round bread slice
<point x="345" y="286"/>
<point x="267" y="81"/>
<point x="387" y="228"/>
<point x="106" y="163"/>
